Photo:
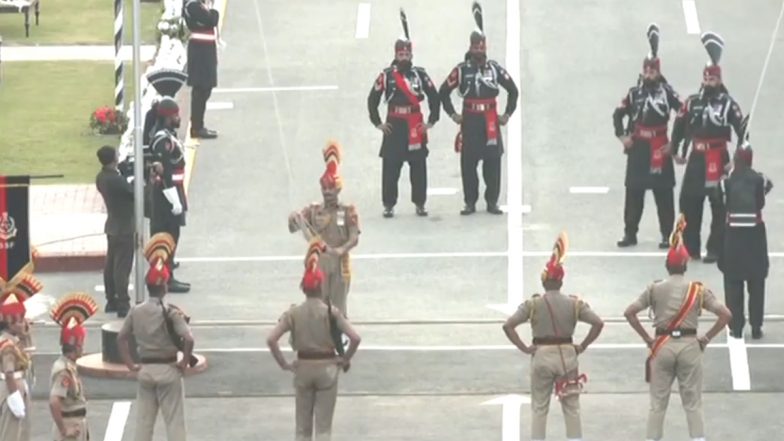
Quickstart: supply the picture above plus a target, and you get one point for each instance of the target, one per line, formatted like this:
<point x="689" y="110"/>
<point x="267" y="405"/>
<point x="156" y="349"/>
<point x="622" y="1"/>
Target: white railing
<point x="171" y="54"/>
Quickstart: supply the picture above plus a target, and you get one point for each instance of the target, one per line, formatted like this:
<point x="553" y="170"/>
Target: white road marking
<point x="589" y="190"/>
<point x="514" y="163"/>
<point x="117" y="419"/>
<point x="765" y="67"/>
<point x="442" y="255"/>
<point x="692" y="20"/>
<point x="510" y="421"/>
<point x="363" y="20"/>
<point x="220" y="105"/>
<point x="101" y="288"/>
<point x="739" y="363"/>
<point x="273" y="89"/>
<point x="441" y="191"/>
<point x="522" y="209"/>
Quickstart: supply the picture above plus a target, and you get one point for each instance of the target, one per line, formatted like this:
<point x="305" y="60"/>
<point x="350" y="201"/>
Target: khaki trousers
<point x="78" y="423"/>
<point x="316" y="383"/>
<point x="335" y="286"/>
<point x="679" y="358"/>
<point x="11" y="427"/>
<point x="546" y="367"/>
<point x="160" y="388"/>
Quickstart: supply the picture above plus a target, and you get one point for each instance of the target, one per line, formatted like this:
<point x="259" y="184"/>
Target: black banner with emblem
<point x="15" y="249"/>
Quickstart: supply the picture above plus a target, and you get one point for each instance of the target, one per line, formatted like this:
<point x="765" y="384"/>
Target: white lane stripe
<point x="101" y="288"/>
<point x="522" y="209"/>
<point x="514" y="163"/>
<point x="589" y="190"/>
<point x="228" y="105"/>
<point x="467" y="254"/>
<point x="363" y="20"/>
<point x="273" y="89"/>
<point x="739" y="363"/>
<point x="441" y="191"/>
<point x="690" y="14"/>
<point x="117" y="419"/>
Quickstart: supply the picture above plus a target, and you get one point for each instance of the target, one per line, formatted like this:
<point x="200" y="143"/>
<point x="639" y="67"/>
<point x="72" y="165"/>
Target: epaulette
<point x="578" y="302"/>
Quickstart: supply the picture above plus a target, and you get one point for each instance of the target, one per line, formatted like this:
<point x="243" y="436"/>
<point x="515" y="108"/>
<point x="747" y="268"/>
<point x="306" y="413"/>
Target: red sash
<point x="688" y="303"/>
<point x="656" y="137"/>
<point x="714" y="154"/>
<point x="416" y="127"/>
<point x="491" y="117"/>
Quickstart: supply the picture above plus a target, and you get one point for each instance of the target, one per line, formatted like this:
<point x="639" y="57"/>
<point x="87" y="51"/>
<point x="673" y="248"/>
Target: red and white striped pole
<point x="118" y="61"/>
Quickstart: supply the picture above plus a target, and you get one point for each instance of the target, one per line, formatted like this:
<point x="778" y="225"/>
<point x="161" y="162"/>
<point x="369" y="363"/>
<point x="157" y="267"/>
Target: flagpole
<point x="138" y="163"/>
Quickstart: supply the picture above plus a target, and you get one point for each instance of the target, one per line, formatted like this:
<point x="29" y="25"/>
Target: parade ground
<point x="429" y="295"/>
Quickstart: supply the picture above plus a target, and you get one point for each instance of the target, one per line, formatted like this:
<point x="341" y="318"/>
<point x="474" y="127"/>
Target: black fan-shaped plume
<point x="476" y="10"/>
<point x="714" y="44"/>
<point x="167" y="82"/>
<point x="404" y="22"/>
<point x="653" y="39"/>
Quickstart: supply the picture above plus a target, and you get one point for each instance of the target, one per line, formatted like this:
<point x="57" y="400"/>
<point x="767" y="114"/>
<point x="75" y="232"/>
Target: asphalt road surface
<point x="434" y="364"/>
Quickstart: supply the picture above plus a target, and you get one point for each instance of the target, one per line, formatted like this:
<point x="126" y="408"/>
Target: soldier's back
<point x="554" y="311"/>
<point x="149" y="330"/>
<point x="309" y="322"/>
<point x="666" y="299"/>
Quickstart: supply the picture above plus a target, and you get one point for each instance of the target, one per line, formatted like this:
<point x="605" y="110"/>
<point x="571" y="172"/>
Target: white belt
<point x="203" y="37"/>
<point x="178" y="177"/>
<point x="743" y="224"/>
<point x="18" y="375"/>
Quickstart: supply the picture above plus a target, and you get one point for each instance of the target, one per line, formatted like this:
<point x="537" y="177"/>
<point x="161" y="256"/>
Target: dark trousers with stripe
<point x="692" y="207"/>
<point x="199" y="97"/>
<point x="635" y="202"/>
<point x="390" y="175"/>
<point x="734" y="297"/>
<point x="491" y="172"/>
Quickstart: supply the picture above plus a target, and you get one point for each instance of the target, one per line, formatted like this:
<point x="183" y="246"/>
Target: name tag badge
<point x="341" y="218"/>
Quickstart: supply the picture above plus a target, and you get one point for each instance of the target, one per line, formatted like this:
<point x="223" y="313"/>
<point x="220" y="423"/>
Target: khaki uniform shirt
<point x="66" y="384"/>
<point x="146" y="322"/>
<point x="567" y="310"/>
<point x="335" y="226"/>
<point x="665" y="298"/>
<point x="309" y="326"/>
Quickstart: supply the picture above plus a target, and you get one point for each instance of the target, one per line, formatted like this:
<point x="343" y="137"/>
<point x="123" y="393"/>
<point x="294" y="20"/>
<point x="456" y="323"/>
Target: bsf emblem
<point x="7" y="227"/>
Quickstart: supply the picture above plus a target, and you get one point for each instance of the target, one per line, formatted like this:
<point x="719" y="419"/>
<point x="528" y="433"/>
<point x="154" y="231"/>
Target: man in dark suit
<point x="117" y="193"/>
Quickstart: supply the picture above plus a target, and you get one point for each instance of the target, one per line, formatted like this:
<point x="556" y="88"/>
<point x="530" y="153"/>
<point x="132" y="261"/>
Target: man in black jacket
<point x="117" y="193"/>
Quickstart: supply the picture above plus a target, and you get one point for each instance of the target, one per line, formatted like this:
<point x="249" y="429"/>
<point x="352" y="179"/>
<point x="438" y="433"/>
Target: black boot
<point x="122" y="309"/>
<point x="756" y="333"/>
<point x="710" y="257"/>
<point x="468" y="209"/>
<point x="665" y="243"/>
<point x="421" y="211"/>
<point x="627" y="241"/>
<point x="175" y="286"/>
<point x="493" y="209"/>
<point x="389" y="212"/>
<point x="204" y="133"/>
<point x="111" y="306"/>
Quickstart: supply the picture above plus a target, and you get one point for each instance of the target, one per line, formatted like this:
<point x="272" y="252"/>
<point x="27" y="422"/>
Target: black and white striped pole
<point x="118" y="61"/>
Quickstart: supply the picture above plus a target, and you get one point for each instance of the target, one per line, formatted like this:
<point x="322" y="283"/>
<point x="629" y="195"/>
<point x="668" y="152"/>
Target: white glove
<point x="174" y="199"/>
<point x="16" y="404"/>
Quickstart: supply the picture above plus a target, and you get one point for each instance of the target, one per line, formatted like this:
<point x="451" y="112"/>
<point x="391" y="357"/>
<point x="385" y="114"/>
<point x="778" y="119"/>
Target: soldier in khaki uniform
<point x="676" y="304"/>
<point x="14" y="361"/>
<point x="553" y="317"/>
<point x="334" y="223"/>
<point x="66" y="395"/>
<point x="160" y="374"/>
<point x="313" y="326"/>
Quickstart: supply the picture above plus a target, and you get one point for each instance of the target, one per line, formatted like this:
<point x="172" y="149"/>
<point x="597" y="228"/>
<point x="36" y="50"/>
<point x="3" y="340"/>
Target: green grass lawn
<point x="66" y="22"/>
<point x="45" y="110"/>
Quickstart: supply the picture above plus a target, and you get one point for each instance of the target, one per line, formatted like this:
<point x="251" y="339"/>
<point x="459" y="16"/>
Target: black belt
<point x="156" y="360"/>
<point x="74" y="413"/>
<point x="675" y="332"/>
<point x="552" y="340"/>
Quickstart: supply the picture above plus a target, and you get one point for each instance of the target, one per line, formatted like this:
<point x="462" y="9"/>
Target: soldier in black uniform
<point x="169" y="203"/>
<point x="648" y="161"/>
<point x="744" y="257"/>
<point x="476" y="80"/>
<point x="403" y="87"/>
<point x="706" y="120"/>
<point x="202" y="21"/>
